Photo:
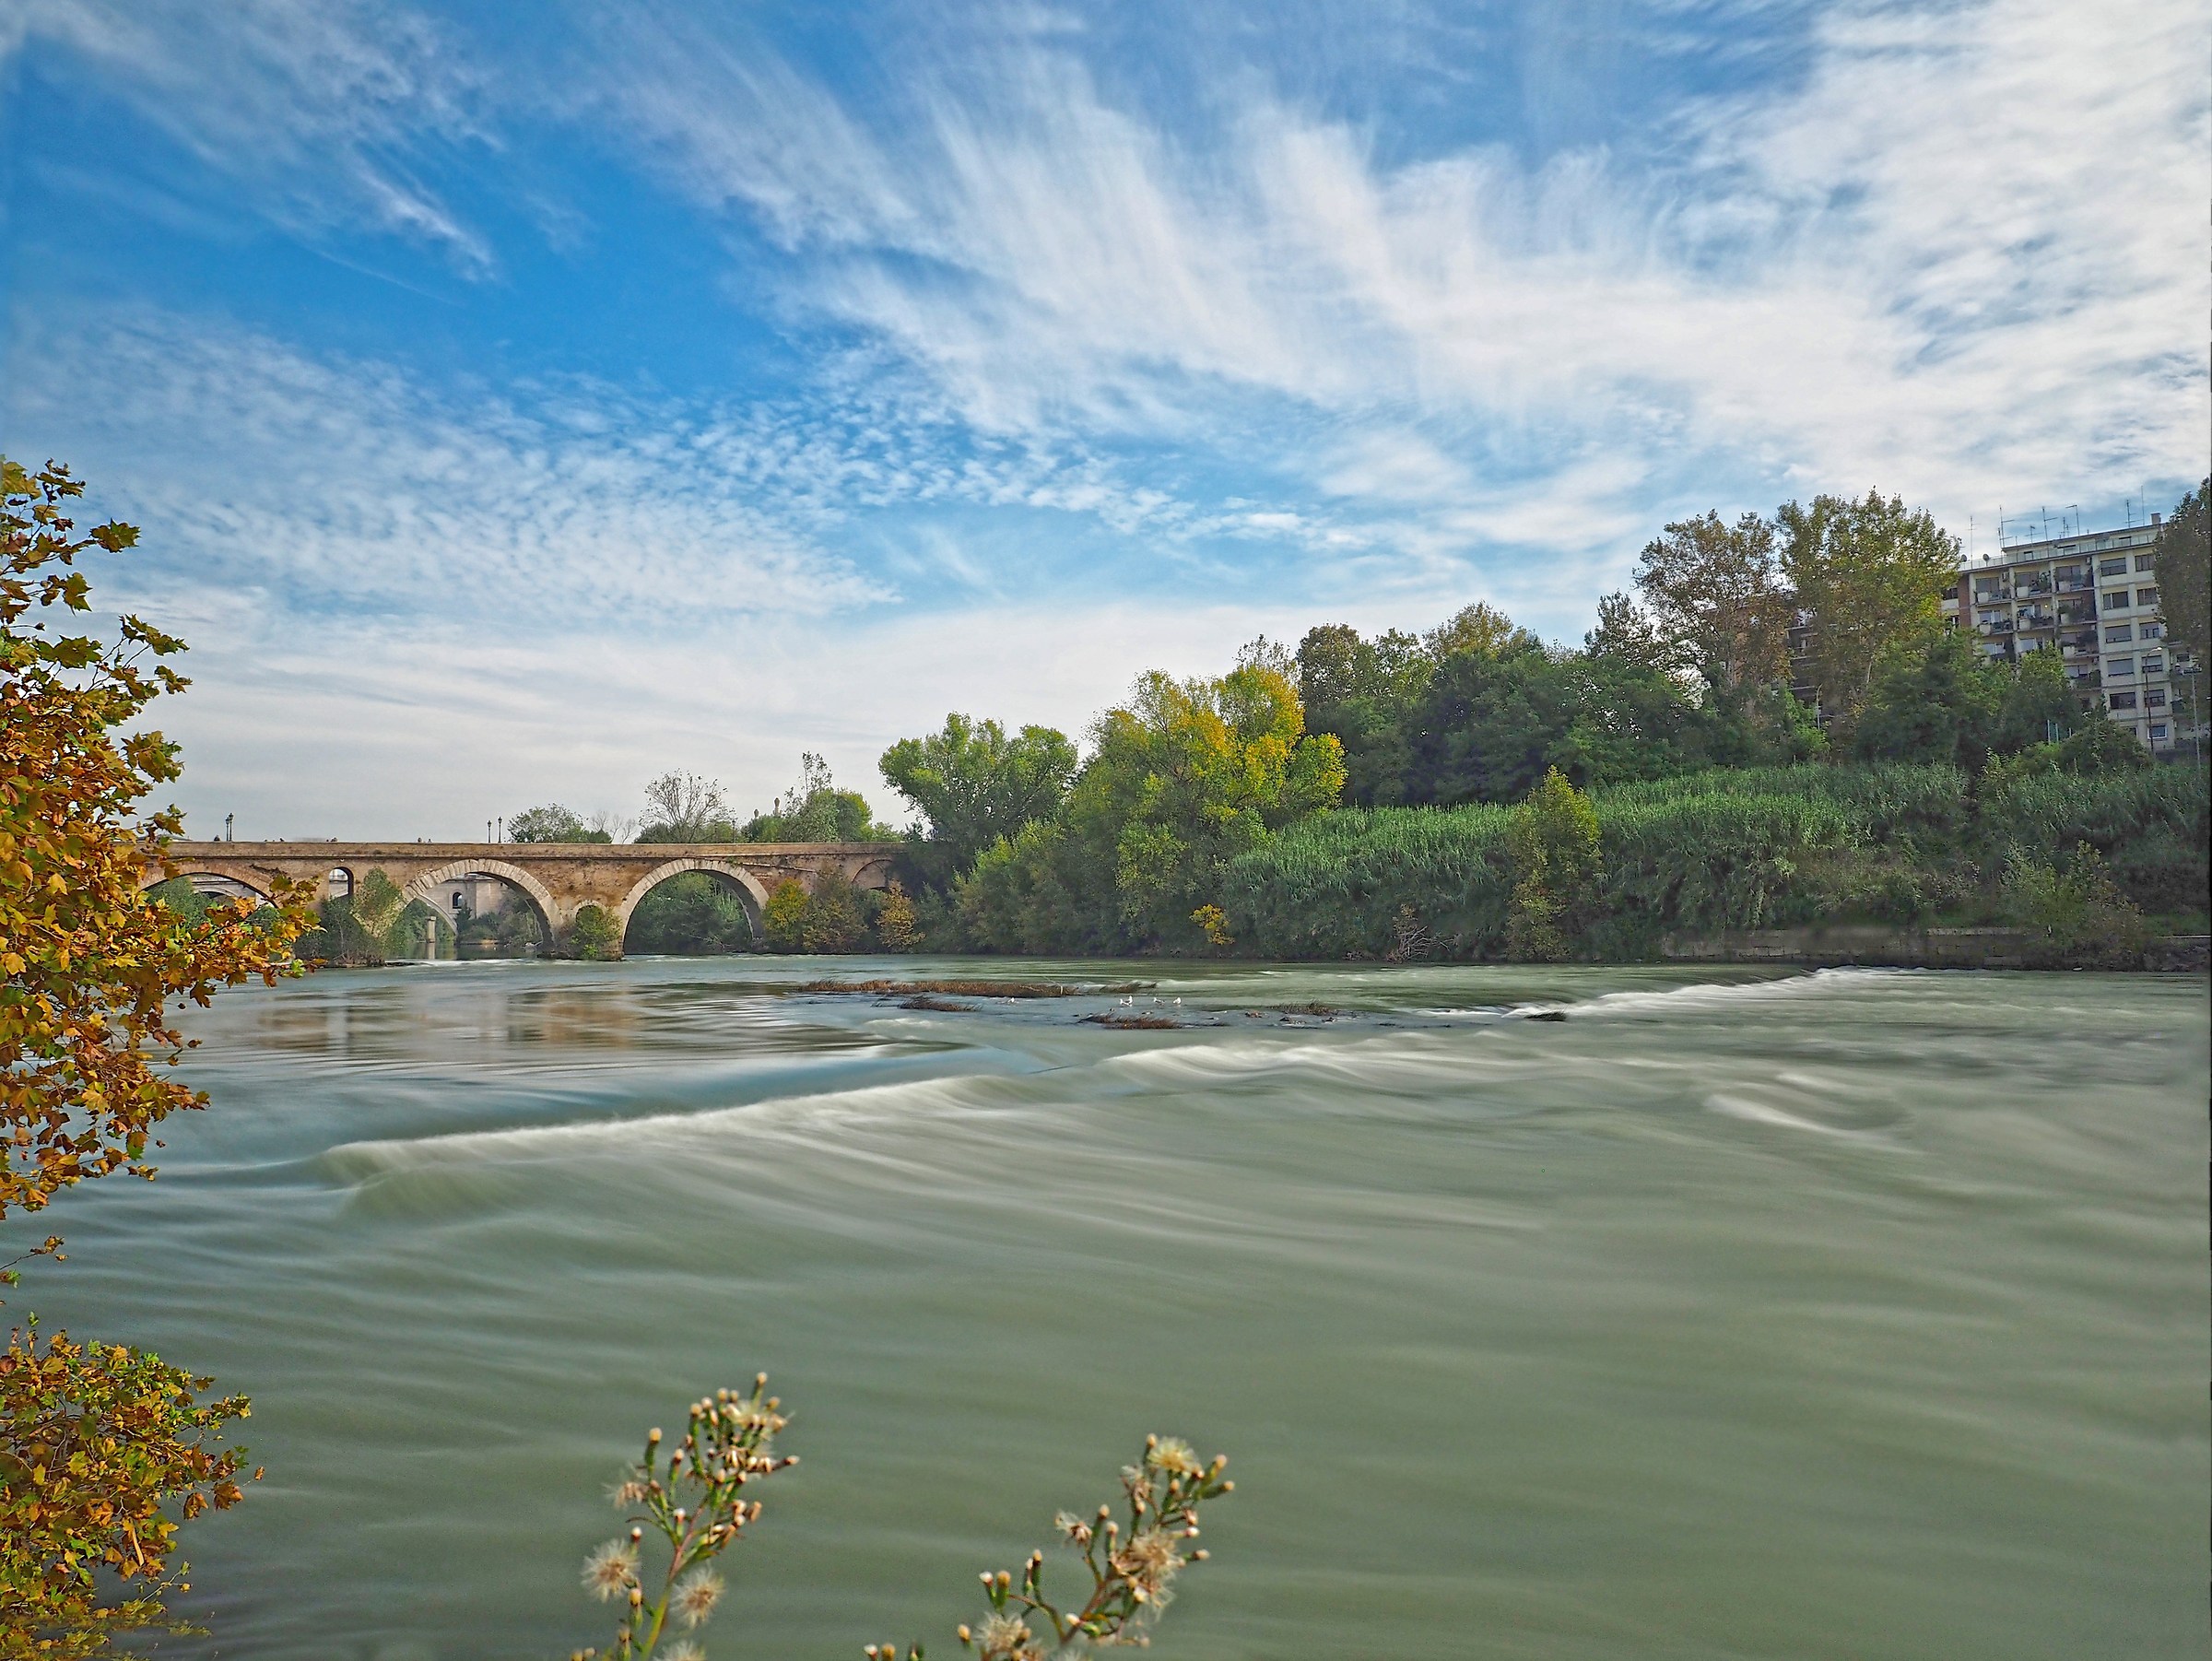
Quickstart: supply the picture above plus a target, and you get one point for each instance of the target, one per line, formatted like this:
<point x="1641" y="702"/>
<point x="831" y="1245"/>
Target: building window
<point x="2147" y="596"/>
<point x="2116" y="600"/>
<point x="2119" y="665"/>
<point x="2110" y="568"/>
<point x="2158" y="732"/>
<point x="2118" y="632"/>
<point x="2154" y="663"/>
<point x="2155" y="699"/>
<point x="2154" y="632"/>
<point x="2146" y="561"/>
<point x="2123" y="700"/>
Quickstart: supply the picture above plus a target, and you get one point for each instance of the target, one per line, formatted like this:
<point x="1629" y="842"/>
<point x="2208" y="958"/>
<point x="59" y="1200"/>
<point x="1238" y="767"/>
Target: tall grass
<point x="1350" y="883"/>
<point x="1755" y="848"/>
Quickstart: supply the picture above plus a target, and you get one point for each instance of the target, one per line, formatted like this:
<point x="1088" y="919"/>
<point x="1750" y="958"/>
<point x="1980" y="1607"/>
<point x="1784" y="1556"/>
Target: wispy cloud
<point x="327" y="110"/>
<point x="1893" y="269"/>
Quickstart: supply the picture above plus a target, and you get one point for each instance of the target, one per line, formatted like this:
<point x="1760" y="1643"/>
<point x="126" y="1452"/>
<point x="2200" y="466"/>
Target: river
<point x="1851" y="1315"/>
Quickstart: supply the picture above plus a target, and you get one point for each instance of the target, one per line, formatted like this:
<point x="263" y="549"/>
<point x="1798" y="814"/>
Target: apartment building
<point x="2093" y="598"/>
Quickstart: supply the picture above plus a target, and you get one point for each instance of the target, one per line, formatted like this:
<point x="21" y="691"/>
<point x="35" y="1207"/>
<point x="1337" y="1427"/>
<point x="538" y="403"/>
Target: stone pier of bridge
<point x="558" y="879"/>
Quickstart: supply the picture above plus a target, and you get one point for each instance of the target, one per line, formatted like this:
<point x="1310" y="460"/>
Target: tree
<point x="1933" y="701"/>
<point x="1872" y="575"/>
<point x="1361" y="692"/>
<point x="1552" y="844"/>
<point x="1718" y="601"/>
<point x="783" y="918"/>
<point x="816" y="811"/>
<point x="2181" y="557"/>
<point x="1188" y="775"/>
<point x="555" y="823"/>
<point x="973" y="784"/>
<point x="895" y="924"/>
<point x="94" y="1439"/>
<point x="595" y="936"/>
<point x="686" y="807"/>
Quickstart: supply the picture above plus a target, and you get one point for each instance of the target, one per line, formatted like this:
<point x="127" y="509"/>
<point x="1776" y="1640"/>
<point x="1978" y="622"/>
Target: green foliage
<point x="555" y="823"/>
<point x="2183" y="563"/>
<point x="595" y="936"/>
<point x="783" y="918"/>
<point x="2078" y="911"/>
<point x="1552" y="843"/>
<point x="975" y="786"/>
<point x="693" y="915"/>
<point x="1873" y="573"/>
<point x="836" y="918"/>
<point x="816" y="811"/>
<point x="1717" y="603"/>
<point x="1192" y="773"/>
<point x="2151" y="825"/>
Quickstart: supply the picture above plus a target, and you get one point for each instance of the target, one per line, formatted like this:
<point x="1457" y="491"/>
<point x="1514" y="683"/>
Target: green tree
<point x="694" y="914"/>
<point x="1933" y="699"/>
<point x="816" y="811"/>
<point x="783" y="918"/>
<point x="2039" y="704"/>
<point x="836" y="918"/>
<point x="1361" y="692"/>
<point x="973" y="784"/>
<point x="1552" y="845"/>
<point x="95" y="1439"/>
<point x="1188" y="775"/>
<point x="595" y="936"/>
<point x="555" y="823"/>
<point x="2183" y="556"/>
<point x="1718" y="602"/>
<point x="1873" y="573"/>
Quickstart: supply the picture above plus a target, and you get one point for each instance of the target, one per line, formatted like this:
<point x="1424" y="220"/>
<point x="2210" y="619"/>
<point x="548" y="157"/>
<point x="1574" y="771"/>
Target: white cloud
<point x="325" y="107"/>
<point x="1963" y="257"/>
<point x="315" y="486"/>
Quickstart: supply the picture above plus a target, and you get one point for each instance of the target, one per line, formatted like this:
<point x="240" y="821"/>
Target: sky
<point x="520" y="402"/>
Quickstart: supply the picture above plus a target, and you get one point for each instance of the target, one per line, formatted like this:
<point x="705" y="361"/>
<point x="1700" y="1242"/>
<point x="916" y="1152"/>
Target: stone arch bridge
<point x="558" y="878"/>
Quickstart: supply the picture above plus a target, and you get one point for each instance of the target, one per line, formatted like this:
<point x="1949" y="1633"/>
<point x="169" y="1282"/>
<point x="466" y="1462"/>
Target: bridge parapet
<point x="561" y="878"/>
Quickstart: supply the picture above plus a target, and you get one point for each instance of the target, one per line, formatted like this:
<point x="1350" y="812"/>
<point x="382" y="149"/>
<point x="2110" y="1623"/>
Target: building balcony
<point x="2035" y="620"/>
<point x="2035" y="589"/>
<point x="2088" y="680"/>
<point x="1989" y="631"/>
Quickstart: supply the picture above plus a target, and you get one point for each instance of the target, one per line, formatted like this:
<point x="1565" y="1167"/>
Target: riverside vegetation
<point x="1472" y="793"/>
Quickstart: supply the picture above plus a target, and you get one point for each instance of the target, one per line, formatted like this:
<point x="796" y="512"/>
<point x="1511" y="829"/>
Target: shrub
<point x="836" y="918"/>
<point x="783" y="918"/>
<point x="1552" y="843"/>
<point x="2078" y="912"/>
<point x="895" y="924"/>
<point x="595" y="937"/>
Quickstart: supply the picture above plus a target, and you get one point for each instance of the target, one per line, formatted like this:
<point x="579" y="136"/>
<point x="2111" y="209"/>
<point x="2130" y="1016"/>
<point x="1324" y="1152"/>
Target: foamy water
<point x="1851" y="1315"/>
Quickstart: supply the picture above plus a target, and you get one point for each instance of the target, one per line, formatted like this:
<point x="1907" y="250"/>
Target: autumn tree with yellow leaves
<point x="104" y="1448"/>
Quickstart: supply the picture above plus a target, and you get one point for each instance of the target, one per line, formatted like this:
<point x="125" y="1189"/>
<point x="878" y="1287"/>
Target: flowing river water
<point x="1850" y="1314"/>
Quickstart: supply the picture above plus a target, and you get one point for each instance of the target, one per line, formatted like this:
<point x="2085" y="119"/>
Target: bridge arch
<point x="749" y="891"/>
<point x="211" y="879"/>
<point x="425" y="886"/>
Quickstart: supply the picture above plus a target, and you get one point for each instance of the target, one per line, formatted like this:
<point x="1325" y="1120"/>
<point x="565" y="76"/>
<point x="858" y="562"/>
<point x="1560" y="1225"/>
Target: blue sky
<point x="520" y="401"/>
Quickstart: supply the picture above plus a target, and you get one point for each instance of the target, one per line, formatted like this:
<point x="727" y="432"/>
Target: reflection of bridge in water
<point x="558" y="879"/>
